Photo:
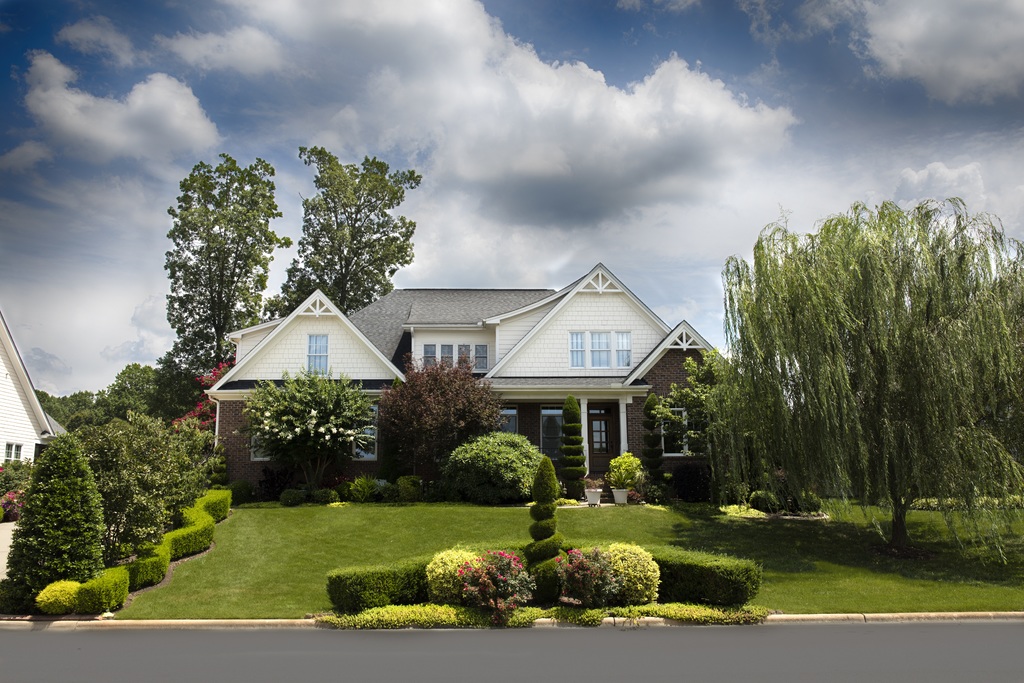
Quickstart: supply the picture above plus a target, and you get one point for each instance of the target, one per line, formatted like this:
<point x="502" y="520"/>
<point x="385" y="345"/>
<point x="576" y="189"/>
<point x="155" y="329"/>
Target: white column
<point x="623" y="436"/>
<point x="586" y="432"/>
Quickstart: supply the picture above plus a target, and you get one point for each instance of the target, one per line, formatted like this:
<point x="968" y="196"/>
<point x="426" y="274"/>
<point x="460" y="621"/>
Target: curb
<point x="65" y="625"/>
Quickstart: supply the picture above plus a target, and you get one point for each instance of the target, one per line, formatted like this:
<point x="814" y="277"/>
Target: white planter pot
<point x="620" y="496"/>
<point x="593" y="497"/>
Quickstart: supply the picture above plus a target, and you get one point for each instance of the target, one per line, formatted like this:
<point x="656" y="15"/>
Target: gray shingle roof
<point x="383" y="320"/>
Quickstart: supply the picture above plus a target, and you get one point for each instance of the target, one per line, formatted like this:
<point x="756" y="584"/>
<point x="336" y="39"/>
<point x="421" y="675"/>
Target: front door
<point x="602" y="435"/>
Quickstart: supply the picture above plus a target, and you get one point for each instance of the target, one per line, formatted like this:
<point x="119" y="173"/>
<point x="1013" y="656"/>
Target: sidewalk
<point x="6" y="531"/>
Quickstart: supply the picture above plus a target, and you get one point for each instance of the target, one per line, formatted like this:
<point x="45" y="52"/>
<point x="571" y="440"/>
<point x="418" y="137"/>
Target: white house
<point x="593" y="339"/>
<point x="24" y="427"/>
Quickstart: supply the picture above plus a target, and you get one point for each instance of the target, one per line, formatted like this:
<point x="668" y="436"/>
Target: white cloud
<point x="245" y="49"/>
<point x="97" y="35"/>
<point x="158" y="119"/>
<point x="939" y="181"/>
<point x="154" y="334"/>
<point x="960" y="50"/>
<point x="25" y="156"/>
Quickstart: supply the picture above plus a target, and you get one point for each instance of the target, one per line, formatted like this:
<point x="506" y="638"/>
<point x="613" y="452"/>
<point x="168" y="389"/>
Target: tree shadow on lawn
<point x="788" y="545"/>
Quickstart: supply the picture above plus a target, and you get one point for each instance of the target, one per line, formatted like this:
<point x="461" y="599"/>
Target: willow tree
<point x="878" y="359"/>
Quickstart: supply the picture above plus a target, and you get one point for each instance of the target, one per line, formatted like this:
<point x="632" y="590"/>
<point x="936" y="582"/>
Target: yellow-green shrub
<point x="60" y="597"/>
<point x="104" y="593"/>
<point x="444" y="585"/>
<point x="639" y="573"/>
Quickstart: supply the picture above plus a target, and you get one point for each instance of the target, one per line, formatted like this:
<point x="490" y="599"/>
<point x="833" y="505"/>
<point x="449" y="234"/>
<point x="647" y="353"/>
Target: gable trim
<point x="599" y="280"/>
<point x="45" y="428"/>
<point x="682" y="337"/>
<point x="315" y="305"/>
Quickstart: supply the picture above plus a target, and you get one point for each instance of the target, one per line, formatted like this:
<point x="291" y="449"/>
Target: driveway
<point x="6" y="531"/>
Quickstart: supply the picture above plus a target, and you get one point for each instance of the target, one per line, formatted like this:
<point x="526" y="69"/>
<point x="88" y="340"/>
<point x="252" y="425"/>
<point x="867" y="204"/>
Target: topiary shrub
<point x="60" y="597"/>
<point x="357" y="588"/>
<point x="241" y="492"/>
<point x="637" y="570"/>
<point x="764" y="501"/>
<point x="104" y="593"/>
<point x="61" y="526"/>
<point x="410" y="489"/>
<point x="293" y="497"/>
<point x="492" y="469"/>
<point x="324" y="497"/>
<point x="547" y="542"/>
<point x="573" y="464"/>
<point x="704" y="578"/>
<point x="444" y="585"/>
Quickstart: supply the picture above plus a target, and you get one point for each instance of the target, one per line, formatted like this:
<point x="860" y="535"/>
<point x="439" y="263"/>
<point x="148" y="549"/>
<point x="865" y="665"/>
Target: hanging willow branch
<point x="879" y="359"/>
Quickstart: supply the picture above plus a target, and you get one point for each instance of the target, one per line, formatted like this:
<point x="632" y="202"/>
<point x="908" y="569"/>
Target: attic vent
<point x="685" y="340"/>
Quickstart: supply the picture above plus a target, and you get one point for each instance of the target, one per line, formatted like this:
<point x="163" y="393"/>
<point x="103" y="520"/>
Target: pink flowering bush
<point x="498" y="582"/>
<point x="11" y="503"/>
<point x="587" y="578"/>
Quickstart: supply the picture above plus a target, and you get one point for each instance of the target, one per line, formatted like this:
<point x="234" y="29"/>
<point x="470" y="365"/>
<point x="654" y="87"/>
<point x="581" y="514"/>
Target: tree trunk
<point x="900" y="537"/>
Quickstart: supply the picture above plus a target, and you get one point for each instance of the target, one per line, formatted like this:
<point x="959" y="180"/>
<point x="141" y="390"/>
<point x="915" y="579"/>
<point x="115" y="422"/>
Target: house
<point x="593" y="339"/>
<point x="24" y="426"/>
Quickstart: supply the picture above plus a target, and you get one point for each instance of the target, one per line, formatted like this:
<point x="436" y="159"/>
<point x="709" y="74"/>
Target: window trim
<point x="12" y="452"/>
<point x="582" y="351"/>
<point x="311" y="355"/>
<point x="256" y="451"/>
<point x="477" y="357"/>
<point x="429" y="359"/>
<point x="686" y="446"/>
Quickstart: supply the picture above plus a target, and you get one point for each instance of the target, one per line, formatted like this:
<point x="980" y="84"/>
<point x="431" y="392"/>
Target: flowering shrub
<point x="498" y="582"/>
<point x="206" y="410"/>
<point x="12" y="502"/>
<point x="587" y="578"/>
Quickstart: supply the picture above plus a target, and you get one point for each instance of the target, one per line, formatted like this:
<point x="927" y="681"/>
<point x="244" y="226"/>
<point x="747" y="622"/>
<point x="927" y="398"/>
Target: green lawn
<point x="273" y="562"/>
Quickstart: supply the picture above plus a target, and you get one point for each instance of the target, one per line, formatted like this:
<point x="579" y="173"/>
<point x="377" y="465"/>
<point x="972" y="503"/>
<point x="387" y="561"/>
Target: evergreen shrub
<point x="216" y="503"/>
<point x="60" y="597"/>
<point x="587" y="578"/>
<point x="149" y="567"/>
<point x="444" y="585"/>
<point x="324" y="497"/>
<point x="573" y="460"/>
<point x="492" y="469"/>
<point x="410" y="489"/>
<point x="637" y="570"/>
<point x="194" y="536"/>
<point x="293" y="497"/>
<point x="704" y="578"/>
<point x="104" y="593"/>
<point x="764" y="501"/>
<point x="354" y="589"/>
<point x="241" y="492"/>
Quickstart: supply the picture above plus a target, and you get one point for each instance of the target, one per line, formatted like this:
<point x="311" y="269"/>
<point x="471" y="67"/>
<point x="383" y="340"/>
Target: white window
<point x="256" y="451"/>
<point x="429" y="355"/>
<point x="447" y="355"/>
<point x="370" y="451"/>
<point x="317" y="358"/>
<point x="623" y="349"/>
<point x="12" y="452"/>
<point x="600" y="350"/>
<point x="577" y="350"/>
<point x="480" y="357"/>
<point x="510" y="420"/>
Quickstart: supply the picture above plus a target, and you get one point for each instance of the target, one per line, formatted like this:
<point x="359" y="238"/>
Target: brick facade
<point x="661" y="377"/>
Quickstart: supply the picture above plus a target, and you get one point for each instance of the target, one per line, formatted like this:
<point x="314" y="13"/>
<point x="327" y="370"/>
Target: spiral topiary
<point x="573" y="465"/>
<point x="547" y="542"/>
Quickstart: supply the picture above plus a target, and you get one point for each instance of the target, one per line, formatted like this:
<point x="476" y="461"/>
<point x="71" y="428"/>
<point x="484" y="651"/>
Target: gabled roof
<point x="682" y="337"/>
<point x="47" y="426"/>
<point x="316" y="304"/>
<point x="599" y="280"/>
<point x="384" y="321"/>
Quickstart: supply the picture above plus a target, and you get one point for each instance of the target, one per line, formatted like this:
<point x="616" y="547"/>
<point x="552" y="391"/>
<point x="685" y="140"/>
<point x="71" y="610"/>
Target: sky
<point x="658" y="137"/>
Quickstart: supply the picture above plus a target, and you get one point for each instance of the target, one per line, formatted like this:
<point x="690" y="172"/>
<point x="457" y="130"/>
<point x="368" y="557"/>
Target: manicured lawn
<point x="273" y="562"/>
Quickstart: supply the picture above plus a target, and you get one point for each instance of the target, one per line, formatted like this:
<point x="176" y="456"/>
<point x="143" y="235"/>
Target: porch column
<point x="623" y="427"/>
<point x="585" y="419"/>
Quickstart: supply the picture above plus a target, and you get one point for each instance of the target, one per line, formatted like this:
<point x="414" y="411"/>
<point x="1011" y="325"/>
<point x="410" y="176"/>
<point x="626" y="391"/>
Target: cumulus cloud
<point x="158" y="119"/>
<point x="154" y="334"/>
<point x="939" y="181"/>
<point x="245" y="49"/>
<point x="25" y="156"/>
<point x="960" y="50"/>
<point x="97" y="35"/>
<point x="43" y="363"/>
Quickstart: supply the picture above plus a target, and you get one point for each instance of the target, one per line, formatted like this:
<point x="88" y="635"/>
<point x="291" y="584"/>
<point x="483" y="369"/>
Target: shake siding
<point x="17" y="424"/>
<point x="346" y="353"/>
<point x="547" y="353"/>
<point x="514" y="329"/>
<point x="248" y="342"/>
<point x="423" y="336"/>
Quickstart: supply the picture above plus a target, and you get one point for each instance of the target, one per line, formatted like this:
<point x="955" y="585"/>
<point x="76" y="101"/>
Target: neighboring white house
<point x="593" y="339"/>
<point x="24" y="427"/>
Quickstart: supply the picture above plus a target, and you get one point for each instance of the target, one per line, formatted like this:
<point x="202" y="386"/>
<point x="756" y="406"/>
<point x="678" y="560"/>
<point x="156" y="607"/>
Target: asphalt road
<point x="983" y="652"/>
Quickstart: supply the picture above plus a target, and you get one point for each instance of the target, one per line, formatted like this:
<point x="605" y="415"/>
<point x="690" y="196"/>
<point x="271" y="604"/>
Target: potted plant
<point x="592" y="487"/>
<point x="623" y="473"/>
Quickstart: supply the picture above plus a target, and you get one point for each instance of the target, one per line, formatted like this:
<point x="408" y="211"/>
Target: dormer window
<point x="316" y="358"/>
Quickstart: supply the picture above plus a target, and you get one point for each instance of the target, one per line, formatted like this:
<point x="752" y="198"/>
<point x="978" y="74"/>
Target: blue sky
<point x="656" y="136"/>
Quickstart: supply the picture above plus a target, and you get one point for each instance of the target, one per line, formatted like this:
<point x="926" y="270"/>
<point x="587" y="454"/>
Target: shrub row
<point x="696" y="577"/>
<point x="103" y="593"/>
<point x="358" y="588"/>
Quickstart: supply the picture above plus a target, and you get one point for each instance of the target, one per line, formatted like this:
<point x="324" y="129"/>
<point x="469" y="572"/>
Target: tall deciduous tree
<point x="223" y="246"/>
<point x="878" y="358"/>
<point x="352" y="244"/>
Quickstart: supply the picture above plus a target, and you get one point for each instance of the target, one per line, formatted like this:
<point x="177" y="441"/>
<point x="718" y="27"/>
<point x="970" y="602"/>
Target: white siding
<point x="347" y="353"/>
<point x="17" y="423"/>
<point x="423" y="336"/>
<point x="511" y="331"/>
<point x="546" y="354"/>
<point x="249" y="341"/>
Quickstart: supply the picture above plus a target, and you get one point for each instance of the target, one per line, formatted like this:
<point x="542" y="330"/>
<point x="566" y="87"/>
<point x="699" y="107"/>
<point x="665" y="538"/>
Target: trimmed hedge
<point x="150" y="567"/>
<point x="357" y="588"/>
<point x="704" y="578"/>
<point x="216" y="503"/>
<point x="194" y="536"/>
<point x="60" y="597"/>
<point x="106" y="592"/>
